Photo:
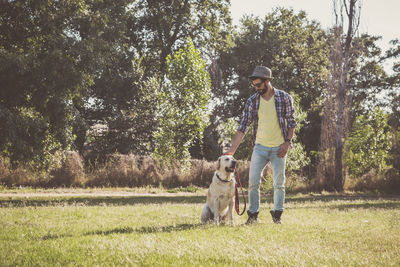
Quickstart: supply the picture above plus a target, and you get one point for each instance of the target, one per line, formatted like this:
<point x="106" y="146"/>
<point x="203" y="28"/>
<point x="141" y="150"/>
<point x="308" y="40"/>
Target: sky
<point x="378" y="17"/>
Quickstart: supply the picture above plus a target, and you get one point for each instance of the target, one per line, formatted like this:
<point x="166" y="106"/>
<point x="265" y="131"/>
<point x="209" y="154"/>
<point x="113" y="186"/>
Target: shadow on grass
<point x="129" y="230"/>
<point x="148" y="229"/>
<point x="346" y="201"/>
<point x="99" y="200"/>
<point x="386" y="205"/>
<point x="339" y="197"/>
<point x="343" y="202"/>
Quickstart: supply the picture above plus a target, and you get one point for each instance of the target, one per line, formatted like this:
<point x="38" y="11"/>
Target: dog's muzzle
<point x="231" y="168"/>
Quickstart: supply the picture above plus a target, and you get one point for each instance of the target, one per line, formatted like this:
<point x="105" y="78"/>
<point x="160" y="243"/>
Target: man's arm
<point x="235" y="143"/>
<point x="291" y="124"/>
<point x="284" y="148"/>
<point x="290" y="134"/>
<point x="289" y="116"/>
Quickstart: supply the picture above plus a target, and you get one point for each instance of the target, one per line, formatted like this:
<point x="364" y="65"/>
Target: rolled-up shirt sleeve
<point x="289" y="112"/>
<point x="247" y="118"/>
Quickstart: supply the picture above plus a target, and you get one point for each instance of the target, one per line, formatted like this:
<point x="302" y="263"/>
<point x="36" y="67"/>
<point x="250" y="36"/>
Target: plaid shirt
<point x="284" y="110"/>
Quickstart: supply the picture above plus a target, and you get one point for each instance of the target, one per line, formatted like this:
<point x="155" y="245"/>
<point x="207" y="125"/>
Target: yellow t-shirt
<point x="268" y="133"/>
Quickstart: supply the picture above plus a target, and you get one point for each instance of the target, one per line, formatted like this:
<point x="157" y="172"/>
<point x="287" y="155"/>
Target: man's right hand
<point x="228" y="153"/>
<point x="235" y="143"/>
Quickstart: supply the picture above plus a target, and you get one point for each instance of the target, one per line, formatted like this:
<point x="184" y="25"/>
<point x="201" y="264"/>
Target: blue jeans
<point x="259" y="159"/>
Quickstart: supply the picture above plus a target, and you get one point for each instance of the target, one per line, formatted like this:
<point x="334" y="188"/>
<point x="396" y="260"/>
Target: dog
<point x="221" y="193"/>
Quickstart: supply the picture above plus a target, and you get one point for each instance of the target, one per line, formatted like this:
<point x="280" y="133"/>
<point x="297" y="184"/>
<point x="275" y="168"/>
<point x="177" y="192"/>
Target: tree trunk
<point x="394" y="124"/>
<point x="330" y="171"/>
<point x="342" y="92"/>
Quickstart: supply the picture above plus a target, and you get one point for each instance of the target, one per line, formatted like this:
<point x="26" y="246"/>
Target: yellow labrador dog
<point x="221" y="193"/>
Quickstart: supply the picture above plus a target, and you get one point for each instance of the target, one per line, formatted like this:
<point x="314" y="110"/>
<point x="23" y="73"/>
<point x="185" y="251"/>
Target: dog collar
<point x="225" y="181"/>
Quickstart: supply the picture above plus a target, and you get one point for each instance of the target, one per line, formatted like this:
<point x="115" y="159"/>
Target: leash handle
<point x="237" y="201"/>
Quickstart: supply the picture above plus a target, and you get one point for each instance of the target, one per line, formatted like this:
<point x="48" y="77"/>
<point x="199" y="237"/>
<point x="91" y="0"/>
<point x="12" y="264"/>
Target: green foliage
<point x="294" y="48"/>
<point x="393" y="84"/>
<point x="369" y="143"/>
<point x="42" y="74"/>
<point x="297" y="156"/>
<point x="368" y="77"/>
<point x="70" y="63"/>
<point x="161" y="27"/>
<point x="184" y="99"/>
<point x="26" y="138"/>
<point x="228" y="130"/>
<point x="122" y="99"/>
<point x="67" y="66"/>
<point x="127" y="107"/>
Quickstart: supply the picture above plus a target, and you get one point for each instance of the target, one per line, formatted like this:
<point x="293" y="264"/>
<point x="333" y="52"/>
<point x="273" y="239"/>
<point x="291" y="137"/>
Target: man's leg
<point x="257" y="164"/>
<point x="278" y="173"/>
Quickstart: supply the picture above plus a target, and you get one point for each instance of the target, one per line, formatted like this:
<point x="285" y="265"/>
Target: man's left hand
<point x="283" y="149"/>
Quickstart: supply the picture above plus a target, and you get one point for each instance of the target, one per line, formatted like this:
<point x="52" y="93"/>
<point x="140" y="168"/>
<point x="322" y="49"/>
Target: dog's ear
<point x="219" y="163"/>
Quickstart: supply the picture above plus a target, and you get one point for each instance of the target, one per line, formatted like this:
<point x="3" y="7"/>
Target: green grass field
<point x="165" y="230"/>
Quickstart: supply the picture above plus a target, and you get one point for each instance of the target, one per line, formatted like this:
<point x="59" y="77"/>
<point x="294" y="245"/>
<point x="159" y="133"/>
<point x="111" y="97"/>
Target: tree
<point x="338" y="101"/>
<point x="184" y="102"/>
<point x="41" y="76"/>
<point x="150" y="30"/>
<point x="66" y="66"/>
<point x="393" y="85"/>
<point x="126" y="104"/>
<point x="161" y="27"/>
<point x="367" y="76"/>
<point x="368" y="143"/>
<point x="295" y="48"/>
<point x="344" y="59"/>
<point x="108" y="55"/>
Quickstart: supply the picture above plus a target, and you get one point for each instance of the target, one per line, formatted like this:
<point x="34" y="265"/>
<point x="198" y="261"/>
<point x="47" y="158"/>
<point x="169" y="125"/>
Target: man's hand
<point x="228" y="153"/>
<point x="283" y="149"/>
<point x="235" y="143"/>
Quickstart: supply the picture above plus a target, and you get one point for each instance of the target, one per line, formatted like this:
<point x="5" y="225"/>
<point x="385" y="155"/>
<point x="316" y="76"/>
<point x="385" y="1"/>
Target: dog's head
<point x="226" y="163"/>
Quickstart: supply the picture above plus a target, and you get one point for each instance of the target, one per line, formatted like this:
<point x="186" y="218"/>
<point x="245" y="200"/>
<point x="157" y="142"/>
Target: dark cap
<point x="261" y="72"/>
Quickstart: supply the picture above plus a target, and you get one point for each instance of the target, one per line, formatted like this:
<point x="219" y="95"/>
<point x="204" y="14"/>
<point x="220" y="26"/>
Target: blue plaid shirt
<point x="284" y="110"/>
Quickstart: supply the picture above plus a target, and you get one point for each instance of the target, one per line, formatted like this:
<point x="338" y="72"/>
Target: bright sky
<point x="378" y="17"/>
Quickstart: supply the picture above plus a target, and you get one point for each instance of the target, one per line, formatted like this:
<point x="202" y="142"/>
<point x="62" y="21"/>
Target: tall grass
<point x="317" y="230"/>
<point x="118" y="170"/>
<point x="114" y="171"/>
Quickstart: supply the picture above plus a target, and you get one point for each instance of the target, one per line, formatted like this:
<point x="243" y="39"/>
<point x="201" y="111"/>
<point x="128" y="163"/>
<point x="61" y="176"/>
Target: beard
<point x="263" y="91"/>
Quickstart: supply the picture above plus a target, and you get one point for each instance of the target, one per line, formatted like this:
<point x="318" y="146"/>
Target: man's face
<point x="260" y="85"/>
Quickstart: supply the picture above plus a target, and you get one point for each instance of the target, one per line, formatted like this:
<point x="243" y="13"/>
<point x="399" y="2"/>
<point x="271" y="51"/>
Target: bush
<point x="20" y="175"/>
<point x="125" y="170"/>
<point x="136" y="171"/>
<point x="71" y="173"/>
<point x="385" y="181"/>
<point x="119" y="170"/>
<point x="393" y="184"/>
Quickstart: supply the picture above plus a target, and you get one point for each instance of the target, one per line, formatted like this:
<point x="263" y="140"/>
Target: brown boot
<point x="252" y="217"/>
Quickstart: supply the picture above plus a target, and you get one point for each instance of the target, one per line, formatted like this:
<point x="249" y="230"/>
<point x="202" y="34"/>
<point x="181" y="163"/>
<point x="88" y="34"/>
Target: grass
<point x="164" y="230"/>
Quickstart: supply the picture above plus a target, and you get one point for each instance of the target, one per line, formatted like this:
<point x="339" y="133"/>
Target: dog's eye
<point x="226" y="159"/>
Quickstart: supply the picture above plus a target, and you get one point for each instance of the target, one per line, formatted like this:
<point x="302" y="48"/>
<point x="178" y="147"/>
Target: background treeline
<point x="166" y="80"/>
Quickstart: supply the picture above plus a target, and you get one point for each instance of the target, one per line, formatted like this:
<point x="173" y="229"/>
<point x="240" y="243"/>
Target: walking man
<point x="272" y="112"/>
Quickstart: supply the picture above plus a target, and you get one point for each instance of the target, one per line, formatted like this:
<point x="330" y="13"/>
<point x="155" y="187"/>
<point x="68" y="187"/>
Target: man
<point x="272" y="112"/>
